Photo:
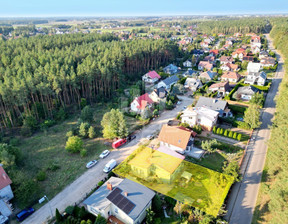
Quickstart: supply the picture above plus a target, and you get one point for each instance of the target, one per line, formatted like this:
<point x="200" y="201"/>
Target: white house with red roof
<point x="6" y="194"/>
<point x="151" y="77"/>
<point x="141" y="102"/>
<point x="5" y="188"/>
<point x="230" y="76"/>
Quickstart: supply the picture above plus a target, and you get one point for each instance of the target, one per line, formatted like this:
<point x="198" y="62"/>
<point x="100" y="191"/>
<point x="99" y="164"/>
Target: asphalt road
<point x="78" y="190"/>
<point x="243" y="196"/>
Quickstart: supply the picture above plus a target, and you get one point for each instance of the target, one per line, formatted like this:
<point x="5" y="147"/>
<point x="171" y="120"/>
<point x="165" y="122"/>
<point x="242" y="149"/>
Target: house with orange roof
<point x="205" y="65"/>
<point x="229" y="67"/>
<point x="230" y="76"/>
<point x="141" y="102"/>
<point x="176" y="138"/>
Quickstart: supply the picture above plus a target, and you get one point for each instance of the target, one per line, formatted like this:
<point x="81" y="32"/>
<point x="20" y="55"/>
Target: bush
<point x="221" y="131"/>
<point x="74" y="144"/>
<point x="41" y="176"/>
<point x="100" y="183"/>
<point x="218" y="131"/>
<point x="30" y="122"/>
<point x="83" y="103"/>
<point x="14" y="141"/>
<point x="91" y="132"/>
<point x="61" y="115"/>
<point x="185" y="125"/>
<point x="179" y="116"/>
<point x="69" y="134"/>
<point x="86" y="114"/>
<point x="69" y="210"/>
<point x="47" y="124"/>
<point x="197" y="129"/>
<point x="214" y="130"/>
<point x="83" y="129"/>
<point x="235" y="135"/>
<point x="225" y="133"/>
<point x="243" y="125"/>
<point x="239" y="137"/>
<point x="83" y="153"/>
<point x="230" y="135"/>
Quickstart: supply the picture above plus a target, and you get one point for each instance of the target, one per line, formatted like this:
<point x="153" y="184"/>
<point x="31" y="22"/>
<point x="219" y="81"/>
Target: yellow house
<point x="150" y="163"/>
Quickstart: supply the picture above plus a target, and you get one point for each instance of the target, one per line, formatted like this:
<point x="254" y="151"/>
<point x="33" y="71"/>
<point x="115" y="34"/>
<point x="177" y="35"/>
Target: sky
<point x="44" y="8"/>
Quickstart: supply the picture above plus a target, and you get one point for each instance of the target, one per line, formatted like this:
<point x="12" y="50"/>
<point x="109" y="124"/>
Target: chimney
<point x="109" y="186"/>
<point x="126" y="194"/>
<point x="4" y="176"/>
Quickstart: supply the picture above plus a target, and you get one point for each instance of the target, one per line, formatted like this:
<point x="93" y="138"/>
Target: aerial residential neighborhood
<point x="143" y="113"/>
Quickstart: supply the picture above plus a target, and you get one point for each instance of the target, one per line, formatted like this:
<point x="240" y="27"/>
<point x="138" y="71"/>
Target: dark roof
<point x="213" y="104"/>
<point x="120" y="201"/>
<point x="248" y="90"/>
<point x="171" y="79"/>
<point x="190" y="72"/>
<point x="161" y="92"/>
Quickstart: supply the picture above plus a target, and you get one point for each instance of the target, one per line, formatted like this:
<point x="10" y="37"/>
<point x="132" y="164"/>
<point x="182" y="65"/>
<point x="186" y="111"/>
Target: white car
<point x="104" y="154"/>
<point x="179" y="102"/>
<point x="91" y="164"/>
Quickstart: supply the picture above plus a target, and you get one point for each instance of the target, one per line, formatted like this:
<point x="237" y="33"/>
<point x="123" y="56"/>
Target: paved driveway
<point x="78" y="190"/>
<point x="244" y="194"/>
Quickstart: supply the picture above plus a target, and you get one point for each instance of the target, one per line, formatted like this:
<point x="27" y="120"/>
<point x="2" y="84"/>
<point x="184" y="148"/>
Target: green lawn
<point x="213" y="161"/>
<point x="45" y="150"/>
<point x="192" y="184"/>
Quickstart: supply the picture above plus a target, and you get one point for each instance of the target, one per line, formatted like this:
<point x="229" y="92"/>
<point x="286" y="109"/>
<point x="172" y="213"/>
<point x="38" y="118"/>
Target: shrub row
<point x="227" y="133"/>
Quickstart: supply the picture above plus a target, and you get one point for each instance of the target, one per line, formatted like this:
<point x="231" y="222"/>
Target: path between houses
<point x="82" y="186"/>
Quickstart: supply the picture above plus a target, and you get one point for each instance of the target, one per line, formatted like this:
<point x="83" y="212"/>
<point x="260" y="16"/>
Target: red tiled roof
<point x="4" y="178"/>
<point x="153" y="75"/>
<point x="143" y="101"/>
<point x="219" y="84"/>
<point x="231" y="75"/>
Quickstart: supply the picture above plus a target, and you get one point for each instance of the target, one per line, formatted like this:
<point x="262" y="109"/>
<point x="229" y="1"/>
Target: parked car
<point x="130" y="138"/>
<point x="91" y="164"/>
<point x="24" y="214"/>
<point x="118" y="143"/>
<point x="150" y="137"/>
<point x="110" y="165"/>
<point x="179" y="102"/>
<point x="104" y="154"/>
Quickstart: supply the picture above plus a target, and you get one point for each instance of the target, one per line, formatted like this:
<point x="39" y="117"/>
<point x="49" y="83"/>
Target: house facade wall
<point x="142" y="216"/>
<point x="134" y="105"/>
<point x="119" y="214"/>
<point x="173" y="147"/>
<point x="6" y="192"/>
<point x="154" y="97"/>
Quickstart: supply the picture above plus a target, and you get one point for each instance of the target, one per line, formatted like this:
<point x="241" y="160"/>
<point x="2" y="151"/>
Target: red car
<point x="118" y="143"/>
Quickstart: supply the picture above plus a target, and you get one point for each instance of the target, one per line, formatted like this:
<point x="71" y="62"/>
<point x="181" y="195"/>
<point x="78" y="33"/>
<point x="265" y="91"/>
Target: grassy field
<point x="189" y="183"/>
<point x="45" y="151"/>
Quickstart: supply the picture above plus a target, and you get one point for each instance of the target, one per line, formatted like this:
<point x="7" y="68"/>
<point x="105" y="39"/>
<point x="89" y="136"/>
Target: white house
<point x="192" y="84"/>
<point x="187" y="64"/>
<point x="141" y="102"/>
<point x="170" y="69"/>
<point x="253" y="67"/>
<point x="176" y="138"/>
<point x="6" y="193"/>
<point x="246" y="92"/>
<point x="256" y="78"/>
<point x="158" y="94"/>
<point x="151" y="77"/>
<point x="168" y="82"/>
<point x="203" y="116"/>
<point x="120" y="200"/>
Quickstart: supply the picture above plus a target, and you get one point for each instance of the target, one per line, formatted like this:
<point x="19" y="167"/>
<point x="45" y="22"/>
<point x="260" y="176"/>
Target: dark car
<point x="131" y="137"/>
<point x="24" y="214"/>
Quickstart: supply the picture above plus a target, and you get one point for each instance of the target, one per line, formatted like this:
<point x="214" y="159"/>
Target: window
<point x="116" y="210"/>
